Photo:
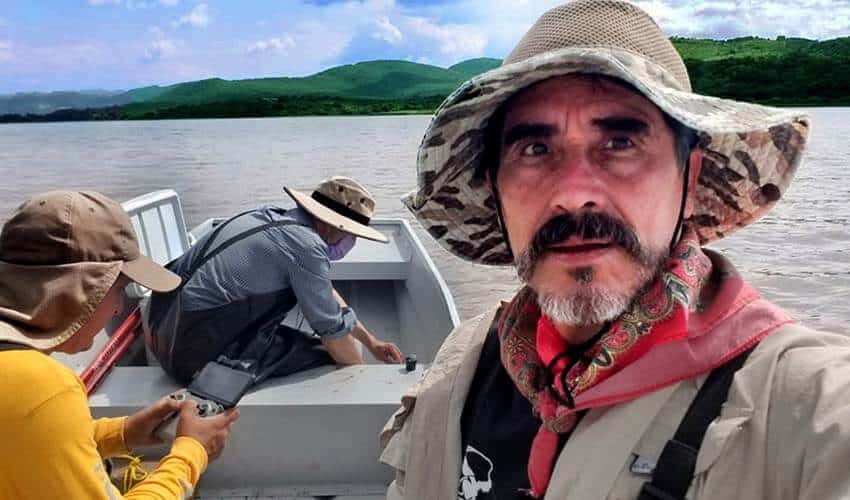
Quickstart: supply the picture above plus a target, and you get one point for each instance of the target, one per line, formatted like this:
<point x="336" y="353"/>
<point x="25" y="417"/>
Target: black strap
<point x="215" y="232"/>
<point x="339" y="208"/>
<point x="203" y="257"/>
<point x="675" y="468"/>
<point x="7" y="345"/>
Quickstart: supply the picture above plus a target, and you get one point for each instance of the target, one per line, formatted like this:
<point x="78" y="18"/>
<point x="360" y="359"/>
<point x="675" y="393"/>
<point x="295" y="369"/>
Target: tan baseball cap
<point x="60" y="252"/>
<point x="66" y="227"/>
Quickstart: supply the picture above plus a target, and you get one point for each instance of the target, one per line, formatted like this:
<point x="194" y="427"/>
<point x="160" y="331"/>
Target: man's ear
<point x="693" y="179"/>
<point x="491" y="178"/>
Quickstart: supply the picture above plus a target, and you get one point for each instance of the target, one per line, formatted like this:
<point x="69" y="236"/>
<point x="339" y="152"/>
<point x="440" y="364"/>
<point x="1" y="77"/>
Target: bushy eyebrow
<point x="622" y="124"/>
<point x="522" y="131"/>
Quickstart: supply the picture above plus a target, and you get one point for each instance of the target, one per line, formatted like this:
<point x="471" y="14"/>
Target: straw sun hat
<point x="751" y="152"/>
<point x="60" y="253"/>
<point x="342" y="203"/>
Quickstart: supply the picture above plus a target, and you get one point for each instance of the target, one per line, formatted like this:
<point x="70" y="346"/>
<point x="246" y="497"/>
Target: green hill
<point x="784" y="71"/>
<point x="759" y="48"/>
<point x="474" y="67"/>
<point x="366" y="80"/>
<point x="146" y="93"/>
<point x="47" y="102"/>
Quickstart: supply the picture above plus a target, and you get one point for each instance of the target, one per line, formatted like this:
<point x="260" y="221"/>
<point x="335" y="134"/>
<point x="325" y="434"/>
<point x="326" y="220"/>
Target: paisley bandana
<point x="695" y="292"/>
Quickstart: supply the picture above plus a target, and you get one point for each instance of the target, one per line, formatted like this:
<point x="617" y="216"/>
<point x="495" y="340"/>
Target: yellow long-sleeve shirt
<point x="51" y="448"/>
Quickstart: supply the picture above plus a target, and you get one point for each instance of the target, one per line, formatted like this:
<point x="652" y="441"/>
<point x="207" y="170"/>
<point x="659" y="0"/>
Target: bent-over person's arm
<point x="382" y="351"/>
<point x="309" y="276"/>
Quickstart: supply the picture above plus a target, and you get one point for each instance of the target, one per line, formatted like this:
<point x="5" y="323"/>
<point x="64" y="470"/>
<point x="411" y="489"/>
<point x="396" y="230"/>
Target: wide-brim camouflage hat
<point x="751" y="152"/>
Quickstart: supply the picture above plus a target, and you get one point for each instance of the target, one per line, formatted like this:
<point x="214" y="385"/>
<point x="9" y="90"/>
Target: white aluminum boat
<point x="315" y="433"/>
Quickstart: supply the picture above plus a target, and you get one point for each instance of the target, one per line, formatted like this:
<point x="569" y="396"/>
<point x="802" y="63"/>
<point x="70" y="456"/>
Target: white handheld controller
<point x="204" y="408"/>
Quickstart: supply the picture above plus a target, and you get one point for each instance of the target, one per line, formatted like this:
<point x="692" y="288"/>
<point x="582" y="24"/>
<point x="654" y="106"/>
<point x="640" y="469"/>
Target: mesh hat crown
<point x="602" y="23"/>
<point x="750" y="152"/>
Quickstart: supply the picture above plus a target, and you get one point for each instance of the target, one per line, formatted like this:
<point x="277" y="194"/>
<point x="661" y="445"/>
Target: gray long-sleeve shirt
<point x="289" y="259"/>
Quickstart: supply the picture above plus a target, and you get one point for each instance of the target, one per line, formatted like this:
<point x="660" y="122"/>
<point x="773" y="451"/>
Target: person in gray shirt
<point x="241" y="280"/>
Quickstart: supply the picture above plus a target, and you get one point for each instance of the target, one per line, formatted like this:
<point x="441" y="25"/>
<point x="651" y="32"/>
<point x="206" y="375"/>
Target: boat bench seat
<point x="370" y="260"/>
<point x="314" y="431"/>
<point x="391" y="270"/>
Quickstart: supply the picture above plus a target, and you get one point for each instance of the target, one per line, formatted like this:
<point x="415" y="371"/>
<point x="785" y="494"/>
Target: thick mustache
<point x="586" y="226"/>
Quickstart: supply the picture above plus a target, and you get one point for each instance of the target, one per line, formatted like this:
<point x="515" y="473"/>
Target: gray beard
<point x="592" y="304"/>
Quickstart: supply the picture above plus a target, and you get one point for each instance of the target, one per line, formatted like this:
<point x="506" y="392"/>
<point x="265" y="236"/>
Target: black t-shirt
<point x="497" y="429"/>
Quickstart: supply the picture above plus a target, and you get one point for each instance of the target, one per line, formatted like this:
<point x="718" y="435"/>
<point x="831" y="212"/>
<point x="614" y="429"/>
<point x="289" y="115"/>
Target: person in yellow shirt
<point x="65" y="259"/>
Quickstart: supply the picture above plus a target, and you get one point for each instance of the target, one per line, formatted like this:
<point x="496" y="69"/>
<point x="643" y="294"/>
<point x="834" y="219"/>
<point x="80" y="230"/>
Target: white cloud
<point x="137" y="4"/>
<point x="324" y="35"/>
<point x="387" y="31"/>
<point x="160" y="49"/>
<point x="64" y="58"/>
<point x="102" y="64"/>
<point x="454" y="40"/>
<point x="198" y="17"/>
<point x="721" y="19"/>
<point x="328" y="42"/>
<point x="418" y="59"/>
<point x="130" y="4"/>
<point x="304" y="36"/>
<point x="6" y="54"/>
<point x="272" y="45"/>
<point x="503" y="22"/>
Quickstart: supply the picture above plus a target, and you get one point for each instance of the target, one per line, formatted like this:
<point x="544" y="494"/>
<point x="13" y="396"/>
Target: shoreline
<point x="34" y="119"/>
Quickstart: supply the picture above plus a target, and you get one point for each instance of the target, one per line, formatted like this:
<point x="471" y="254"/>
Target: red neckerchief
<point x="690" y="297"/>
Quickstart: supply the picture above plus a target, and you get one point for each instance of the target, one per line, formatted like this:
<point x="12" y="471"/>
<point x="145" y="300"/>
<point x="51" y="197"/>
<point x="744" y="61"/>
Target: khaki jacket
<point x="784" y="432"/>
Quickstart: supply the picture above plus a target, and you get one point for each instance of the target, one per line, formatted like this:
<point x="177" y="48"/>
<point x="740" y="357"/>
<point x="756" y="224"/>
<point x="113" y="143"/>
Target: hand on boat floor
<point x="139" y="427"/>
<point x="211" y="432"/>
<point x="387" y="352"/>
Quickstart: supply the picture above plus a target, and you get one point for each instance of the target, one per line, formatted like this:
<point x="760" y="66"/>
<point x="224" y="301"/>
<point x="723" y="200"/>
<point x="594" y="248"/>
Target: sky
<point x="122" y="44"/>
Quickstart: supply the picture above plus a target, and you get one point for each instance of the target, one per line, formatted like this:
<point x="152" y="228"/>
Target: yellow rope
<point x="134" y="473"/>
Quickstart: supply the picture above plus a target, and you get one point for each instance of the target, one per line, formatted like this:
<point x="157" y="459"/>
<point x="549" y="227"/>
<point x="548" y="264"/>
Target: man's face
<point x="328" y="233"/>
<point x="110" y="306"/>
<point x="599" y="159"/>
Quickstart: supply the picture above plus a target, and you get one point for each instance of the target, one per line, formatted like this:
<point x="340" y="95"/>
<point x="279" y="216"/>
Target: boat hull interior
<point x="314" y="433"/>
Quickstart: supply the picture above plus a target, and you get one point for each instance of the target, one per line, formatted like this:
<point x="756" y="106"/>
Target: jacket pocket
<point x="717" y="439"/>
<point x="718" y="442"/>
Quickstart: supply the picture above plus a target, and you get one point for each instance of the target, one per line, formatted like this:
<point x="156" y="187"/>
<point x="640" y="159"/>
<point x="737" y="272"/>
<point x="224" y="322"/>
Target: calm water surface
<point x="798" y="256"/>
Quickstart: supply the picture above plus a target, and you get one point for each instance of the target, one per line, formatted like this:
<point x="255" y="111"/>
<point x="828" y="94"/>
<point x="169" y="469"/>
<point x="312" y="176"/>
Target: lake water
<point x="798" y="256"/>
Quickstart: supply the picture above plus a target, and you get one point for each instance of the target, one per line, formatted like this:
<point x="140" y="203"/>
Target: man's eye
<point x="619" y="143"/>
<point x="535" y="149"/>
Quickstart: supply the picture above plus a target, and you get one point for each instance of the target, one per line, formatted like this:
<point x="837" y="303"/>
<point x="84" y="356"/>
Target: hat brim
<point x="751" y="152"/>
<point x="335" y="219"/>
<point x="43" y="306"/>
<point x="149" y="274"/>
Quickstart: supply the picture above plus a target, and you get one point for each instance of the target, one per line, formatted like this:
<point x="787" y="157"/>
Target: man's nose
<point x="577" y="183"/>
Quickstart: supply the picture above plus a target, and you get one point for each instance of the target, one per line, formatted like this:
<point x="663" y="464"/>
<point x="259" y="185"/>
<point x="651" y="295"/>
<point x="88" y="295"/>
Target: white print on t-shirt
<point x="476" y="475"/>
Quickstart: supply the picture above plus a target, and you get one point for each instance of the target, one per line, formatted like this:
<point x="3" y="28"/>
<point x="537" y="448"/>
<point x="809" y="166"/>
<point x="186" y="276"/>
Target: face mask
<point x="339" y="249"/>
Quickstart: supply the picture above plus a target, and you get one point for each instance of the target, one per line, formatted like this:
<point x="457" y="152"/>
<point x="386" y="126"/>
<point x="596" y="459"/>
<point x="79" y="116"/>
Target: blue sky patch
<point x="122" y="44"/>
